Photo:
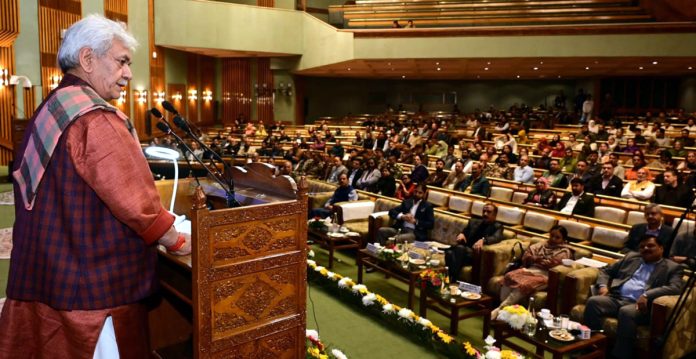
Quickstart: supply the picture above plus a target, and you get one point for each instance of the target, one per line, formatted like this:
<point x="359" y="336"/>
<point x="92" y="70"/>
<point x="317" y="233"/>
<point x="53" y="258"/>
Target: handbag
<point x="516" y="260"/>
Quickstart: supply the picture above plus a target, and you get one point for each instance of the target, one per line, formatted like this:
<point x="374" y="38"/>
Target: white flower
<point x="311" y="333"/>
<point x="406" y="314"/>
<point x="424" y="322"/>
<point x="330" y="275"/>
<point x="358" y="287"/>
<point x="343" y="283"/>
<point x="311" y="262"/>
<point x="388" y="308"/>
<point x="368" y="299"/>
<point x="388" y="251"/>
<point x="493" y="354"/>
<point x="490" y="340"/>
<point x="338" y="354"/>
<point x="318" y="268"/>
<point x="310" y="254"/>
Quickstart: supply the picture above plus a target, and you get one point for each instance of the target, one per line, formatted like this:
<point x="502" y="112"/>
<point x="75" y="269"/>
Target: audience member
<point x="533" y="276"/>
<point x="640" y="188"/>
<point x="577" y="202"/>
<point x="476" y="183"/>
<point x="414" y="218"/>
<point x="501" y="168"/>
<point x="386" y="184"/>
<point x="355" y="172"/>
<point x="554" y="176"/>
<point x="456" y="177"/>
<point x="344" y="193"/>
<point x="406" y="188"/>
<point x="472" y="238"/>
<point x="370" y="176"/>
<point x="336" y="170"/>
<point x="420" y="171"/>
<point x="606" y="183"/>
<point x="568" y="161"/>
<point x="627" y="288"/>
<point x="684" y="247"/>
<point x="438" y="177"/>
<point x="541" y="196"/>
<point x="673" y="193"/>
<point x="523" y="172"/>
<point x="654" y="226"/>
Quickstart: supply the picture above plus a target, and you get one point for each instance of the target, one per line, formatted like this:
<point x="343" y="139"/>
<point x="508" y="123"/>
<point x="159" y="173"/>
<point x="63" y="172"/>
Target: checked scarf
<point x="66" y="105"/>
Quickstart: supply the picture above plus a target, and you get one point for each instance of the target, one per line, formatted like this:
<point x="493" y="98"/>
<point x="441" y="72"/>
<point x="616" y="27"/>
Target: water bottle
<point x="530" y="326"/>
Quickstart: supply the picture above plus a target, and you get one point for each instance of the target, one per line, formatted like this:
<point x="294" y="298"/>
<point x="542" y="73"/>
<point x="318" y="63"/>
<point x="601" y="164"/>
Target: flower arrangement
<point x="405" y="318"/>
<point x="515" y="315"/>
<point x="433" y="278"/>
<point x="493" y="352"/>
<point x="389" y="254"/>
<point x="317" y="349"/>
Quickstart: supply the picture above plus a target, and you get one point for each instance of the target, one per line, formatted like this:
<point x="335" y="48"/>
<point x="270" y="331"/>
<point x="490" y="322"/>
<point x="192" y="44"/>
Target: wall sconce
<point x="141" y="96"/>
<point x="193" y="95"/>
<point x="159" y="96"/>
<point x="4" y="77"/>
<point x="285" y="90"/>
<point x="264" y="91"/>
<point x="177" y="96"/>
<point x="122" y="99"/>
<point x="54" y="81"/>
<point x="207" y="95"/>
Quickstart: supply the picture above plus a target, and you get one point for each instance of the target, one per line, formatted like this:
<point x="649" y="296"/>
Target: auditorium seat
<point x="610" y="214"/>
<point x="477" y="208"/>
<point x="686" y="226"/>
<point x="635" y="217"/>
<point x="519" y="197"/>
<point x="577" y="231"/>
<point x="510" y="216"/>
<point x="459" y="204"/>
<point x="501" y="193"/>
<point x="438" y="199"/>
<point x="609" y="237"/>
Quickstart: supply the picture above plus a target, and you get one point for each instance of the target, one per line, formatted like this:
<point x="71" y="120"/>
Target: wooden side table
<point x="596" y="345"/>
<point x="332" y="243"/>
<point x="409" y="276"/>
<point x="430" y="299"/>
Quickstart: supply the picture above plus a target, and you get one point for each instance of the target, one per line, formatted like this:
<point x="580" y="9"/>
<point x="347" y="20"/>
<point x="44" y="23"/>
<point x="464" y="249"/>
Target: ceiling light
<point x="403" y="76"/>
<point x="349" y="69"/>
<point x="518" y="76"/>
<point x="654" y="62"/>
<point x="437" y="63"/>
<point x="640" y="67"/>
<point x="485" y="68"/>
<point x="691" y="67"/>
<point x="587" y="67"/>
<point x="541" y="62"/>
<point x="488" y="63"/>
<point x="438" y="69"/>
<point x="536" y="68"/>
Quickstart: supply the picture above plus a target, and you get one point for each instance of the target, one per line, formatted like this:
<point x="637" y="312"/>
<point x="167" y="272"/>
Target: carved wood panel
<point x="250" y="280"/>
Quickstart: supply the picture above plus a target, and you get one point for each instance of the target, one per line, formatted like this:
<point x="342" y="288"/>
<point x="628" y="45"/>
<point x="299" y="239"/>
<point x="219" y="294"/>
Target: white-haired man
<point x="88" y="215"/>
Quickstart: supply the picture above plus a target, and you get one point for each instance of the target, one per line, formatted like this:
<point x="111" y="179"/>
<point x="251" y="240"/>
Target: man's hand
<point x="603" y="291"/>
<point x="642" y="304"/>
<point x="409" y="218"/>
<point x="329" y="207"/>
<point x="461" y="238"/>
<point x="186" y="249"/>
<point x="478" y="245"/>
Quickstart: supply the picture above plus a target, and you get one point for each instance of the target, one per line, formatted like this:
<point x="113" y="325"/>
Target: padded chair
<point x="538" y="222"/>
<point x="438" y="199"/>
<point x="501" y="193"/>
<point x="577" y="231"/>
<point x="459" y="204"/>
<point x="519" y="197"/>
<point x="609" y="237"/>
<point x="610" y="214"/>
<point x="510" y="216"/>
<point x="686" y="226"/>
<point x="477" y="208"/>
<point x="635" y="217"/>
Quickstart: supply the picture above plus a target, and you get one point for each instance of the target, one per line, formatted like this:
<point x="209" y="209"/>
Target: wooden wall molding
<point x="264" y="104"/>
<point x="207" y="83"/>
<point x="7" y="107"/>
<point x="54" y="16"/>
<point x="117" y="10"/>
<point x="9" y="22"/>
<point x="192" y="85"/>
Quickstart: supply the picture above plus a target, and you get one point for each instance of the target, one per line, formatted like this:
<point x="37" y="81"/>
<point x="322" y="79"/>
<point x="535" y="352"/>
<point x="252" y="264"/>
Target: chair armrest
<point x="317" y="200"/>
<point x="555" y="286"/>
<point x="577" y="287"/>
<point x="348" y="211"/>
<point x="376" y="221"/>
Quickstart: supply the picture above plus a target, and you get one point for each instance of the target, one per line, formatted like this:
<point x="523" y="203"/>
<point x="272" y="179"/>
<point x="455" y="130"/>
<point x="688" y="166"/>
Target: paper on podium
<point x="182" y="224"/>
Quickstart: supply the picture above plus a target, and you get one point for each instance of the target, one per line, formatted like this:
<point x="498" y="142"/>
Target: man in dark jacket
<point x="606" y="183"/>
<point x="414" y="217"/>
<point x="673" y="193"/>
<point x="477" y="233"/>
<point x="627" y="288"/>
<point x="654" y="227"/>
<point x="577" y="202"/>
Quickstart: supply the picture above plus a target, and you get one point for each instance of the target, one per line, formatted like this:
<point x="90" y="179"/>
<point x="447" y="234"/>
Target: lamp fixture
<point x="207" y="95"/>
<point x="177" y="96"/>
<point x="193" y="95"/>
<point x="141" y="96"/>
<point x="159" y="96"/>
<point x="122" y="98"/>
<point x="54" y="81"/>
<point x="4" y="77"/>
<point x="265" y="91"/>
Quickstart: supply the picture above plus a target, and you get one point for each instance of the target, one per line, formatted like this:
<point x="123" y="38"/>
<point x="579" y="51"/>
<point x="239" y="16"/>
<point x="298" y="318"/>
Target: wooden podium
<point x="242" y="291"/>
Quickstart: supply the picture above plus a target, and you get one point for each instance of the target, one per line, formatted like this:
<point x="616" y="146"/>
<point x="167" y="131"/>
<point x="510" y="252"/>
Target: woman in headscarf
<point x="542" y="196"/>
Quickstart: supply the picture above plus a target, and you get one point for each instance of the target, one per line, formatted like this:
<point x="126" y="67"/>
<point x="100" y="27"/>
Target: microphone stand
<point x="166" y="129"/>
<point x="686" y="289"/>
<point x="231" y="201"/>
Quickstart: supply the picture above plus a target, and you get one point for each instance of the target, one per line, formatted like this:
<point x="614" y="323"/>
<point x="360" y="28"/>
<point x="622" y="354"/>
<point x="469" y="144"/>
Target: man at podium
<point x="88" y="216"/>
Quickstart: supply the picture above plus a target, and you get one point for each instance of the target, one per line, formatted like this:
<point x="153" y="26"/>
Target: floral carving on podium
<point x="235" y="243"/>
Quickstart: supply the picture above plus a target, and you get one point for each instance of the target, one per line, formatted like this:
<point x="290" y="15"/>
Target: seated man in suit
<point x="344" y="192"/>
<point x="577" y="202"/>
<point x="627" y="288"/>
<point x="606" y="183"/>
<point x="654" y="227"/>
<point x="414" y="217"/>
<point x="477" y="233"/>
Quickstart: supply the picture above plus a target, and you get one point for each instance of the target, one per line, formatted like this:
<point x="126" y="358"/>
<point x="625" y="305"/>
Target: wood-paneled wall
<point x="117" y="10"/>
<point x="192" y="88"/>
<point x="236" y="89"/>
<point x="207" y="83"/>
<point x="54" y="16"/>
<point x="264" y="102"/>
<point x="265" y="3"/>
<point x="9" y="30"/>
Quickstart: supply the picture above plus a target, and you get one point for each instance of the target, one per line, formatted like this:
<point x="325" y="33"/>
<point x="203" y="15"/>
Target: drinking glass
<point x="530" y="327"/>
<point x="565" y="320"/>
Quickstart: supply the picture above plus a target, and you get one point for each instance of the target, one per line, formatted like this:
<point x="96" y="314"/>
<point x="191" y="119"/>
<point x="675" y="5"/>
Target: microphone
<point x="182" y="124"/>
<point x="169" y="107"/>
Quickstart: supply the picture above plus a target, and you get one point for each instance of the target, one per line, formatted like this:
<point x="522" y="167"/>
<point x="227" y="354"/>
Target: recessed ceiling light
<point x="640" y="67"/>
<point x="654" y="62"/>
<point x="587" y="67"/>
<point x="536" y="68"/>
<point x="485" y="68"/>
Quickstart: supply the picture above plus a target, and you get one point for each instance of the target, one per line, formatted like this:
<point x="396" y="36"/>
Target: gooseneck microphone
<point x="184" y="125"/>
